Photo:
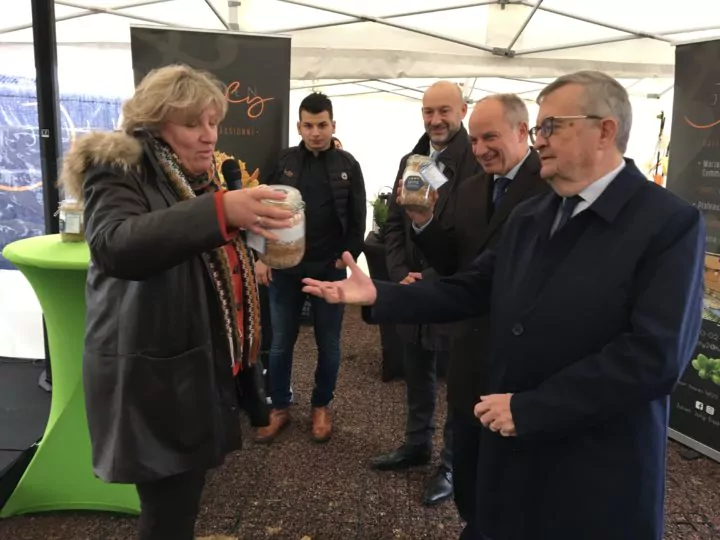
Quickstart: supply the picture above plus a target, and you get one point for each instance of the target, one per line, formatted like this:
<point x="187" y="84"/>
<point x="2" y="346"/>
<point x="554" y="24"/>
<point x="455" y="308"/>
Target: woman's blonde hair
<point x="169" y="90"/>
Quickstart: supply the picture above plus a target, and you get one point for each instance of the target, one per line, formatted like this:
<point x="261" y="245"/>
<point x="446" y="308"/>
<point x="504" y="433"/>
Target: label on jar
<point x="413" y="182"/>
<point x="70" y="223"/>
<point x="284" y="236"/>
<point x="432" y="175"/>
<point x="291" y="234"/>
<point x="256" y="242"/>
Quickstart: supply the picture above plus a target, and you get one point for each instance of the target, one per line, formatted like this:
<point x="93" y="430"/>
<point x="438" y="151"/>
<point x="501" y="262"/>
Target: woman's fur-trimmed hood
<point x="97" y="148"/>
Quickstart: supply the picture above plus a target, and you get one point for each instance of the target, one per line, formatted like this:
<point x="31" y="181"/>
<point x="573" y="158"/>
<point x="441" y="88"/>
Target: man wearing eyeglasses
<point x="498" y="134"/>
<point x="595" y="297"/>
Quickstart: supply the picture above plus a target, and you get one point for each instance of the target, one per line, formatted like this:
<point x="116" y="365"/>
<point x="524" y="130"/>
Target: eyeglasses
<point x="547" y="126"/>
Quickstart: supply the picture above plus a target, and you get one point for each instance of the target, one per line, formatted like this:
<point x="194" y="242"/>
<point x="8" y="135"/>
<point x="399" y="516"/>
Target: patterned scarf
<point x="244" y="342"/>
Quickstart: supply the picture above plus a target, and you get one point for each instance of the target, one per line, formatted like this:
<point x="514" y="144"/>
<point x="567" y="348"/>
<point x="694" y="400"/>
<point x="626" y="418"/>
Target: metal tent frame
<point x="505" y="54"/>
<point x="45" y="50"/>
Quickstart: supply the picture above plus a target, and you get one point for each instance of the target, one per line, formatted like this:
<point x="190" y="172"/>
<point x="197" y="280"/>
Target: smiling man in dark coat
<point x="595" y="298"/>
<point x="426" y="346"/>
<point x="498" y="132"/>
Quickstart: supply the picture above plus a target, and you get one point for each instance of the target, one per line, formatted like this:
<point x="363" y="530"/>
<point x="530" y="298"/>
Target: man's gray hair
<point x="604" y="96"/>
<point x="516" y="111"/>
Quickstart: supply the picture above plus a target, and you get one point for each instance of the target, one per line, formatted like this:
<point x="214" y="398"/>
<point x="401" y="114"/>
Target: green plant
<point x="707" y="368"/>
<point x="380" y="210"/>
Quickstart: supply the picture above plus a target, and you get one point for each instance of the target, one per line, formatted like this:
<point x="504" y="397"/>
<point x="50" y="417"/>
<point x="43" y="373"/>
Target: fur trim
<point x="97" y="148"/>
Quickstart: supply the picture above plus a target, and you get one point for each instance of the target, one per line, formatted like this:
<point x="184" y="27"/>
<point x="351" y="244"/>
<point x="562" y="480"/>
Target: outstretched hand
<point x="358" y="289"/>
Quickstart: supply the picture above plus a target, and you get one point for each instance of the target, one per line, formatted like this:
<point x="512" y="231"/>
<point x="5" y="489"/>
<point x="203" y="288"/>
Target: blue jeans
<point x="286" y="303"/>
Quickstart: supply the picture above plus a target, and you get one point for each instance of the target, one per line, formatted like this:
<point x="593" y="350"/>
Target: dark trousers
<point x="466" y="445"/>
<point x="286" y="303"/>
<point x="421" y="366"/>
<point x="169" y="506"/>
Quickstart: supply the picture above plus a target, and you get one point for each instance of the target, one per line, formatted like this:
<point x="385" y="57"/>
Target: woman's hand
<point x="244" y="209"/>
<point x="263" y="273"/>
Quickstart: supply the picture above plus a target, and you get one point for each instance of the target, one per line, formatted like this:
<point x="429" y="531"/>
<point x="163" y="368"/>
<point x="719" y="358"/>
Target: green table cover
<point x="60" y="475"/>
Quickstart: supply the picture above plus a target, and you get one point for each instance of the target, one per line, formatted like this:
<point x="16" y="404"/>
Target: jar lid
<point x="418" y="158"/>
<point x="69" y="202"/>
<point x="293" y="200"/>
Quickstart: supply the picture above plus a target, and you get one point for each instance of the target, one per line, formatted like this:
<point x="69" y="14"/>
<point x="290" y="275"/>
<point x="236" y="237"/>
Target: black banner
<point x="256" y="73"/>
<point x="694" y="175"/>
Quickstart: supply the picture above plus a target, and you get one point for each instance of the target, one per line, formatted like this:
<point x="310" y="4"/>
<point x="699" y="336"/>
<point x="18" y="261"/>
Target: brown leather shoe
<point x="279" y="420"/>
<point x="321" y="424"/>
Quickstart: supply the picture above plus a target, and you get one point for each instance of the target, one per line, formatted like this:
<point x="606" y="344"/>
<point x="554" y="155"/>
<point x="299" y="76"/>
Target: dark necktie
<point x="567" y="207"/>
<point x="500" y="188"/>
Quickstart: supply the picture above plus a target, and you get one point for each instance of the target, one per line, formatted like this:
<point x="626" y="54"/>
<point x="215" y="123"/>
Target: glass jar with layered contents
<point x="289" y="248"/>
<point x="420" y="179"/>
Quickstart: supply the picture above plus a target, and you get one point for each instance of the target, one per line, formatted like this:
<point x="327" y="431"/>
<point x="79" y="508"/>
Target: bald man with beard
<point x="446" y="141"/>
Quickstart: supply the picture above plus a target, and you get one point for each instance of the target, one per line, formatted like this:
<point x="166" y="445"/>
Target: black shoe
<point x="402" y="458"/>
<point x="439" y="488"/>
<point x="391" y="375"/>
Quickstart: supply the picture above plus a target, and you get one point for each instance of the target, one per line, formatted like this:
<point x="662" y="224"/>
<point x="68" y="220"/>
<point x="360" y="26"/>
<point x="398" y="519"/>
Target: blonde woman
<point x="172" y="306"/>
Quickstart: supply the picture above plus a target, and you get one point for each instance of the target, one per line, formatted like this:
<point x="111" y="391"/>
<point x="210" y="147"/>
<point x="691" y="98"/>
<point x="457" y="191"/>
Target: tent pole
<point x="233" y="20"/>
<point x="468" y="89"/>
<point x="524" y="25"/>
<point x="401" y="86"/>
<point x="576" y="45"/>
<point x="386" y="17"/>
<point x="45" y="48"/>
<point x="339" y="83"/>
<point x="600" y="23"/>
<point x="109" y="11"/>
<point x="370" y="18"/>
<point x="661" y="94"/>
<point x="385" y="90"/>
<point x="615" y="40"/>
<point x="440" y="9"/>
<point x="85" y="13"/>
<point x="529" y="81"/>
<point x="218" y="15"/>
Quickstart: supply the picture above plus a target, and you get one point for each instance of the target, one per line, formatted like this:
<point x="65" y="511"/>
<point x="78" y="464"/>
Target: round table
<point x="60" y="475"/>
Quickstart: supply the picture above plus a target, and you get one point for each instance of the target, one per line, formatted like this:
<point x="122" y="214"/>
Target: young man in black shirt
<point x="332" y="186"/>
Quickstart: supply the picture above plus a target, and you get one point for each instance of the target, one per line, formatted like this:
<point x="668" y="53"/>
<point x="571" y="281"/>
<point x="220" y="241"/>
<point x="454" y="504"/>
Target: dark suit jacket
<point x="453" y="246"/>
<point x="591" y="330"/>
<point x="401" y="253"/>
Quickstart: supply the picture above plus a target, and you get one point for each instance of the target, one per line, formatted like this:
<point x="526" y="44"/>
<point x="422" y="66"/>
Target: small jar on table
<point x="72" y="227"/>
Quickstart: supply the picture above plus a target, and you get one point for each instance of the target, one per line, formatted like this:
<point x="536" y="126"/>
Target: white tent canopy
<point x="390" y="45"/>
<point x="375" y="65"/>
